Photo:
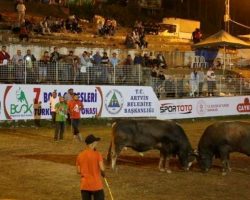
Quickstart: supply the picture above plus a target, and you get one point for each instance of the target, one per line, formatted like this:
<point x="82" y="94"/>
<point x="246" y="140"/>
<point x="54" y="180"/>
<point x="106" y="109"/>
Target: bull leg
<point x="226" y="167"/>
<point x="162" y="159"/>
<point x="224" y="154"/>
<point x="115" y="152"/>
<point x="168" y="170"/>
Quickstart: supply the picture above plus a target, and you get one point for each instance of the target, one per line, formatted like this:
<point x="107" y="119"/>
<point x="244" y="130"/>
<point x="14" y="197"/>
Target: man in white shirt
<point x="54" y="99"/>
<point x="21" y="12"/>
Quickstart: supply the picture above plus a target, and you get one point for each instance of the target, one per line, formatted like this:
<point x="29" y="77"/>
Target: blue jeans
<point x="75" y="125"/>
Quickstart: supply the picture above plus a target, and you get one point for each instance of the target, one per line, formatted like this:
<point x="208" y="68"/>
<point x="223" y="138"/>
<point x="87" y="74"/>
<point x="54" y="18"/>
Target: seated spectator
<point x="45" y="25"/>
<point x="72" y="24"/>
<point x="24" y="34"/>
<point x="108" y="28"/>
<point x="29" y="25"/>
<point x="129" y="41"/>
<point x="161" y="61"/>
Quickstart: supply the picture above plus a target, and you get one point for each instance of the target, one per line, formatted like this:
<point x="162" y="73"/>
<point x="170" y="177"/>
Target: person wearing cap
<point x="61" y="109"/>
<point x="90" y="166"/>
<point x="75" y="107"/>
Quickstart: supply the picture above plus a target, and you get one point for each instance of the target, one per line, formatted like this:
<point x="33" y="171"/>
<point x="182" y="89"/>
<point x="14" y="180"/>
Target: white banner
<point x="204" y="107"/>
<point x="28" y="101"/>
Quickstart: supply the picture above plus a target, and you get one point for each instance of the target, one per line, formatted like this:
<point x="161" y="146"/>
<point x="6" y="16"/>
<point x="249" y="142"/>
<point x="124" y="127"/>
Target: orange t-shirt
<point x="75" y="108"/>
<point x="88" y="160"/>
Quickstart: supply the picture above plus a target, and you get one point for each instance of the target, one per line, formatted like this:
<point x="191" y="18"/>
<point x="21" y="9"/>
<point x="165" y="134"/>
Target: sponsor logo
<point x="244" y="107"/>
<point x="22" y="105"/>
<point x="201" y="107"/>
<point x="18" y="108"/>
<point x="173" y="109"/>
<point x="114" y="101"/>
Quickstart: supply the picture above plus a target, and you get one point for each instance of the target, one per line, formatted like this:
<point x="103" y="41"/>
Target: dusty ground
<point x="34" y="167"/>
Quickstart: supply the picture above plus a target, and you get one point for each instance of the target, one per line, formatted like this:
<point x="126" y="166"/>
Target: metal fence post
<point x="114" y="73"/>
<point x="140" y="74"/>
<point x="220" y="87"/>
<point x="56" y="72"/>
<point x="88" y="71"/>
<point x="25" y="71"/>
<point x="240" y="86"/>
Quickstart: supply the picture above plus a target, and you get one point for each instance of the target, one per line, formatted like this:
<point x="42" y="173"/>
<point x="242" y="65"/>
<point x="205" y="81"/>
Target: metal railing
<point x="173" y="87"/>
<point x="170" y="87"/>
<point x="63" y="73"/>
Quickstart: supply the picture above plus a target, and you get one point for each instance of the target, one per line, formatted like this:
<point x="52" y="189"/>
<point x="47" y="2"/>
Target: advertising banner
<point x="204" y="107"/>
<point x="32" y="101"/>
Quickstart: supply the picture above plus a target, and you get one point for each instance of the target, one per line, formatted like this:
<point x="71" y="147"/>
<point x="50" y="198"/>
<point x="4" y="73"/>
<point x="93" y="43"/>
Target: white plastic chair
<point x="202" y="62"/>
<point x="195" y="62"/>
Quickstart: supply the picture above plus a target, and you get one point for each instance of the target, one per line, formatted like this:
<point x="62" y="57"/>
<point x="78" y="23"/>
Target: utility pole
<point x="227" y="15"/>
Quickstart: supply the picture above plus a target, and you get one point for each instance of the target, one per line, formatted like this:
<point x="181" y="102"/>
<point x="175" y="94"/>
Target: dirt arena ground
<point x="34" y="167"/>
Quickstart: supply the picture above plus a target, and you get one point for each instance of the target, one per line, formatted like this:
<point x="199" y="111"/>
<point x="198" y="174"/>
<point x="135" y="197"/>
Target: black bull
<point x="221" y="138"/>
<point x="143" y="135"/>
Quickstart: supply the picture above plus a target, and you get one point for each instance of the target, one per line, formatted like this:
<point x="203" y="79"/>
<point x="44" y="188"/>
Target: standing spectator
<point x="201" y="75"/>
<point x="21" y="12"/>
<point x="127" y="69"/>
<point x="17" y="57"/>
<point x="18" y="62"/>
<point x="61" y="113"/>
<point x="97" y="59"/>
<point x="4" y="58"/>
<point x="87" y="66"/>
<point x="115" y="72"/>
<point x="55" y="57"/>
<point x="68" y="97"/>
<point x="105" y="59"/>
<point x="75" y="107"/>
<point x="44" y="65"/>
<point x="69" y="70"/>
<point x="29" y="60"/>
<point x="19" y="71"/>
<point x="138" y="67"/>
<point x="37" y="113"/>
<point x="105" y="70"/>
<point x="90" y="166"/>
<point x="53" y="100"/>
<point x="29" y="56"/>
<point x="196" y="35"/>
<point x="211" y="81"/>
<point x="194" y="83"/>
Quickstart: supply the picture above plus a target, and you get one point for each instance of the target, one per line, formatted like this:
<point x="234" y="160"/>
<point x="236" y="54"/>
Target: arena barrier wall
<point x="204" y="107"/>
<point x="20" y="102"/>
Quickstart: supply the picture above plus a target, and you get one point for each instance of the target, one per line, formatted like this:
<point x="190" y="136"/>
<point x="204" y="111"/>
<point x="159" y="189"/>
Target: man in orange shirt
<point x="89" y="164"/>
<point x="75" y="107"/>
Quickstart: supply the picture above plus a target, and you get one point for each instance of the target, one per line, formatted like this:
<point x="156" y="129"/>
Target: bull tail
<point x="111" y="146"/>
<point x="109" y="153"/>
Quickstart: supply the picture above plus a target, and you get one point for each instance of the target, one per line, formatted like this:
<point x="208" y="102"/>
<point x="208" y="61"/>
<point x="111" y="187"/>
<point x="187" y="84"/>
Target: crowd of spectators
<point x="136" y="39"/>
<point x="88" y="67"/>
